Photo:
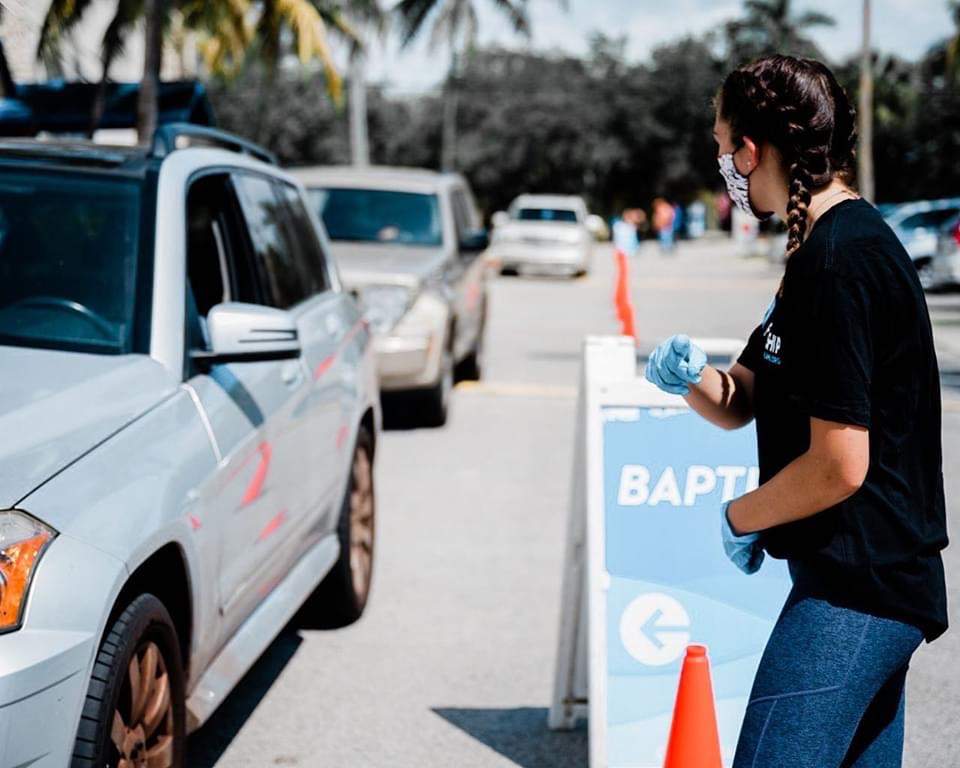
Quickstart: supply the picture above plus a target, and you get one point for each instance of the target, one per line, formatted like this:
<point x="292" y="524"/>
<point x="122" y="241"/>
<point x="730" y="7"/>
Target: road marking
<point x="505" y="389"/>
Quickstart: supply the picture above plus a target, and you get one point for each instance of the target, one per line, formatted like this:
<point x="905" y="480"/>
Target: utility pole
<point x="359" y="138"/>
<point x="865" y="151"/>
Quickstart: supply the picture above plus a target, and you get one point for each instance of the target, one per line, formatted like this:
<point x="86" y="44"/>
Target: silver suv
<point x="408" y="242"/>
<point x="190" y="416"/>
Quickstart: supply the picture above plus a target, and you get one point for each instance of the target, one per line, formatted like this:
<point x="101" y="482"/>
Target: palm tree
<point x="953" y="44"/>
<point x="227" y="37"/>
<point x="865" y="150"/>
<point x="771" y="26"/>
<point x="454" y="23"/>
<point x="8" y="88"/>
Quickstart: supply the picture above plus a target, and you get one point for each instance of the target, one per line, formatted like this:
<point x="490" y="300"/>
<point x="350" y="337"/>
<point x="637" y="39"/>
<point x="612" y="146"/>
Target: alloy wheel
<point x="361" y="526"/>
<point x="143" y="722"/>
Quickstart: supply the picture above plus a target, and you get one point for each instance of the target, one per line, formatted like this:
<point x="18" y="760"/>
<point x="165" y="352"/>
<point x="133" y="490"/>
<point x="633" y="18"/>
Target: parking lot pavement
<point x="452" y="665"/>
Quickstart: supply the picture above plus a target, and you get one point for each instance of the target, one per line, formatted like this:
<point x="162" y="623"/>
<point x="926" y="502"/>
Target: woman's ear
<point x="747" y="158"/>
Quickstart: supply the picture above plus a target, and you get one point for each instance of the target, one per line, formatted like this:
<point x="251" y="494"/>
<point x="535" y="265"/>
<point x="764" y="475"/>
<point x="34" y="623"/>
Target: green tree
<point x="772" y="26"/>
<point x="453" y="23"/>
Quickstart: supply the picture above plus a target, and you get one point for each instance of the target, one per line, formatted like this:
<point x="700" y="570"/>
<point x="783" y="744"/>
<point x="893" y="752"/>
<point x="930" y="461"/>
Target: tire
<point x="436" y="400"/>
<point x="117" y="728"/>
<point x="343" y="594"/>
<point x="471" y="367"/>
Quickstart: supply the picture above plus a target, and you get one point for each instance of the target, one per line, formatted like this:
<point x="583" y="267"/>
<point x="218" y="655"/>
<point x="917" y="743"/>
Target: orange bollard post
<point x="621" y="297"/>
<point x="694" y="740"/>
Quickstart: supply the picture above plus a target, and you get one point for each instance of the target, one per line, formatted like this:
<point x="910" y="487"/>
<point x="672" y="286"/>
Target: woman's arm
<point x="832" y="469"/>
<point x="724" y="398"/>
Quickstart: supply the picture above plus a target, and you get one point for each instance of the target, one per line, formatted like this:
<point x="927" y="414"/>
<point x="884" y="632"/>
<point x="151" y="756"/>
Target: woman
<point x="841" y="377"/>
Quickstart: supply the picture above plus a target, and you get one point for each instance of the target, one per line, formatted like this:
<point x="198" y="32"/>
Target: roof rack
<point x="75" y="152"/>
<point x="173" y="136"/>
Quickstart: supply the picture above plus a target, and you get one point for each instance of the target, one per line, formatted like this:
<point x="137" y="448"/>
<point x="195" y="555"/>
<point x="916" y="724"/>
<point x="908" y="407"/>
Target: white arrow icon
<point x="654" y="629"/>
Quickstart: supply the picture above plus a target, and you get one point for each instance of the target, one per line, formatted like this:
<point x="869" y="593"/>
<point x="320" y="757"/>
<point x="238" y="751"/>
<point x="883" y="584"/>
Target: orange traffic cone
<point x="694" y="740"/>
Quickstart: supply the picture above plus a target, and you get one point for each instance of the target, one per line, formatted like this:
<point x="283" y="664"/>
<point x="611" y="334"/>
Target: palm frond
<point x="61" y="17"/>
<point x="516" y="12"/>
<point x="411" y="16"/>
<point x="814" y="19"/>
<point x="310" y="39"/>
<point x="456" y="24"/>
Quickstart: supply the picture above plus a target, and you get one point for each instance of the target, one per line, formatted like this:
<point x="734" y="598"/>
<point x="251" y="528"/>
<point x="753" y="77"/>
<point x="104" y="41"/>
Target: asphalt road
<point x="452" y="665"/>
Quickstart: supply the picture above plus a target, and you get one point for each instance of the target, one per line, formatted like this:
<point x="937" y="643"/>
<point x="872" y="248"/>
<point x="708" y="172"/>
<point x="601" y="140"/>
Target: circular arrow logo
<point x="654" y="629"/>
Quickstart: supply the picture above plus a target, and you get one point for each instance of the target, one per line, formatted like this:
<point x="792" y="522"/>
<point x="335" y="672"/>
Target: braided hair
<point x="798" y="106"/>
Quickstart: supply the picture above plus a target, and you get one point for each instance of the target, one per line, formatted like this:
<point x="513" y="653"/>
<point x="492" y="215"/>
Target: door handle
<point x="291" y="373"/>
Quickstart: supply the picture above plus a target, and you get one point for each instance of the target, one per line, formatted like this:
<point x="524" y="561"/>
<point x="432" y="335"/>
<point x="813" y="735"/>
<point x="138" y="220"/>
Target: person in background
<point x="663" y="217"/>
<point x="625" y="233"/>
<point x="679" y="221"/>
<point x="841" y="377"/>
<point x="640" y="221"/>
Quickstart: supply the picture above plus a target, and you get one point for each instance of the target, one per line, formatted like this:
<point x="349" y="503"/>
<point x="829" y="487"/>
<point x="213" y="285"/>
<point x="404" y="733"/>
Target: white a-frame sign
<point x="645" y="573"/>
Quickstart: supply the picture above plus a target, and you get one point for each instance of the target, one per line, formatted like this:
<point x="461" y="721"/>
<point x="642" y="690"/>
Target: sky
<point x="904" y="27"/>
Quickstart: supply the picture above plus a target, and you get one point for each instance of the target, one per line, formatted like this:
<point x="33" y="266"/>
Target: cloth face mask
<point x="738" y="186"/>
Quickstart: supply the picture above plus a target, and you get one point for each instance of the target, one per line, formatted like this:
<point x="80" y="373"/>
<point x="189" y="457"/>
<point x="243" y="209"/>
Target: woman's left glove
<point x="745" y="551"/>
<point x="675" y="365"/>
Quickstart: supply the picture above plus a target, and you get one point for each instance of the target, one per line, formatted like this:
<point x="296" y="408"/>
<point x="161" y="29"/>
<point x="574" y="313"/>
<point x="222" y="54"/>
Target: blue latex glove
<point x="745" y="551"/>
<point x="676" y="364"/>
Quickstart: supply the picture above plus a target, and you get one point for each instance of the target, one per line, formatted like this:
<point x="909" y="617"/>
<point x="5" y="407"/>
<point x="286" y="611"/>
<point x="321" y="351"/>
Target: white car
<point x="544" y="233"/>
<point x="189" y="415"/>
<point x="408" y="242"/>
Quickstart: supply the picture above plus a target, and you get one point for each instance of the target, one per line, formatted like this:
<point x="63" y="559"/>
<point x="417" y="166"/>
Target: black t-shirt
<point x="849" y="340"/>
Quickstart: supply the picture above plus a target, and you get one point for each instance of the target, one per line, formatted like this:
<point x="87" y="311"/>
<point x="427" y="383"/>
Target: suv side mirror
<point x="241" y="333"/>
<point x="500" y="219"/>
<point x="474" y="241"/>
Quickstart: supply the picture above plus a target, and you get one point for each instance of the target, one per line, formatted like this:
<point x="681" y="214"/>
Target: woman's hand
<point x="725" y="398"/>
<point x="676" y="364"/>
<point x="743" y="549"/>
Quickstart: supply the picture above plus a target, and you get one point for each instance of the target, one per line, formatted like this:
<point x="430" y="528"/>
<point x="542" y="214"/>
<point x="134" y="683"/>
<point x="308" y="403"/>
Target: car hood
<point x="55" y="406"/>
<point x="365" y="263"/>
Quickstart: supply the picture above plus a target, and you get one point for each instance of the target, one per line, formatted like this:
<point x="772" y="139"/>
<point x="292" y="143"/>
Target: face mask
<point x="738" y="186"/>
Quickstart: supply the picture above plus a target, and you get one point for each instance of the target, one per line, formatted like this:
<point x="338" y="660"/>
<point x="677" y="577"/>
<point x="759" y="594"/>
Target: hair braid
<point x="797" y="206"/>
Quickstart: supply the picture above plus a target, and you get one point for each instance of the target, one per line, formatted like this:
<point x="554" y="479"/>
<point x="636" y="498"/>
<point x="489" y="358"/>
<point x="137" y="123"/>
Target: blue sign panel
<point x="666" y="473"/>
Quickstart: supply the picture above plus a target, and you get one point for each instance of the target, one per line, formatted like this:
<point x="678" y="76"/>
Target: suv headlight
<point x="23" y="540"/>
<point x="384" y="305"/>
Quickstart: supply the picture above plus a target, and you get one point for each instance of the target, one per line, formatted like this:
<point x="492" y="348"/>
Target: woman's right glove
<point x="676" y="364"/>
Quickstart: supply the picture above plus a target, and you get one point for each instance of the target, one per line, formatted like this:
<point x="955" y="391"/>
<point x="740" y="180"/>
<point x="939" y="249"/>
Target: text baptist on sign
<point x="638" y="487"/>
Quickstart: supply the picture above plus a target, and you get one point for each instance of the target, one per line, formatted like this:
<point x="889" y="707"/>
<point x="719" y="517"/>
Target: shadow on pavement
<point x="521" y="735"/>
<point x="205" y="746"/>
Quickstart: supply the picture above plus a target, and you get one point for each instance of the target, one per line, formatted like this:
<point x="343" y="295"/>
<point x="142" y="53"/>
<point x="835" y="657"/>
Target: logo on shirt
<point x="771" y="346"/>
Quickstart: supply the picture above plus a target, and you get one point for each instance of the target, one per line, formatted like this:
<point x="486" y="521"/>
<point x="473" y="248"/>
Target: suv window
<point x="308" y="251"/>
<point x="273" y="246"/>
<point x="218" y="263"/>
<point x="70" y="257"/>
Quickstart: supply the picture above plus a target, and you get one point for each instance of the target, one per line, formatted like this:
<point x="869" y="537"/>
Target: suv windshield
<point x="68" y="261"/>
<point x="547" y="214"/>
<point x="379" y="216"/>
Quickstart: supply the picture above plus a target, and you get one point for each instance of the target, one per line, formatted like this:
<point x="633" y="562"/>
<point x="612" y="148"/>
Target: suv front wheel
<point x="134" y="713"/>
<point x="436" y="402"/>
